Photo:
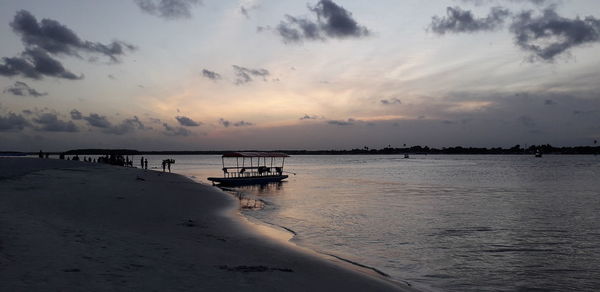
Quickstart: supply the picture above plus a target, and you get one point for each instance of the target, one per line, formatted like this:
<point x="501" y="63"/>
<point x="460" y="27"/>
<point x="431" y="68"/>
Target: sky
<point x="317" y="74"/>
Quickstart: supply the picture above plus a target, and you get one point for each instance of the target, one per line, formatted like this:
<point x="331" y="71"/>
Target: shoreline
<point x="75" y="225"/>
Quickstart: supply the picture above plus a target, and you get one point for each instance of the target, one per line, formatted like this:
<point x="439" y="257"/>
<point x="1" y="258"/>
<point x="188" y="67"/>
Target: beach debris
<point x="140" y="178"/>
<point x="72" y="270"/>
<point x="254" y="269"/>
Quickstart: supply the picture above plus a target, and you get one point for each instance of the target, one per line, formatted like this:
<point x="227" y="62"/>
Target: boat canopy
<point x="255" y="154"/>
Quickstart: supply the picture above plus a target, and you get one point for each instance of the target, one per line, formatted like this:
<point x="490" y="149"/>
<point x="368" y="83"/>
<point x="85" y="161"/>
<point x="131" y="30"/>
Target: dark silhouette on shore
<point x="517" y="149"/>
<point x="167" y="164"/>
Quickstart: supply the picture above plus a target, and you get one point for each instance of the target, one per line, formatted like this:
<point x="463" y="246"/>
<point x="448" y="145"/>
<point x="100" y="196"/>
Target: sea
<point x="439" y="222"/>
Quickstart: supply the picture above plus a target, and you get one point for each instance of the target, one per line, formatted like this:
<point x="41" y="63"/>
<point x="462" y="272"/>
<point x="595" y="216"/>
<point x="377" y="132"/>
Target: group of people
<point x="114" y="159"/>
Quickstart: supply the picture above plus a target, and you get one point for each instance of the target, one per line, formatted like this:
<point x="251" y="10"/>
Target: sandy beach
<point x="75" y="226"/>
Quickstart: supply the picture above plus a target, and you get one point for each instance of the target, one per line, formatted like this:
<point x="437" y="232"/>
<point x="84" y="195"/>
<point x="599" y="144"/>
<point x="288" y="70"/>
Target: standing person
<point x="163" y="165"/>
<point x="146" y="163"/>
<point x="142" y="162"/>
<point x="169" y="164"/>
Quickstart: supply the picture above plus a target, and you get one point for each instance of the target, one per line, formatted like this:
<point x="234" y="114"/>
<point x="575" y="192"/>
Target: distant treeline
<point x="517" y="149"/>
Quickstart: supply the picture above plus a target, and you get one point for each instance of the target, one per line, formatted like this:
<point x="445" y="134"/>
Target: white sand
<point x="75" y="226"/>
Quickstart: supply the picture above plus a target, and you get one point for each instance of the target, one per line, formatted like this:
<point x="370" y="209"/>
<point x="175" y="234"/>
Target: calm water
<point x="443" y="223"/>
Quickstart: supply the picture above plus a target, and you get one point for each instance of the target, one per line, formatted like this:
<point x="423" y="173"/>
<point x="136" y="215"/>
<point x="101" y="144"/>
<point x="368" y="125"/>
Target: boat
<point x="538" y="154"/>
<point x="250" y="168"/>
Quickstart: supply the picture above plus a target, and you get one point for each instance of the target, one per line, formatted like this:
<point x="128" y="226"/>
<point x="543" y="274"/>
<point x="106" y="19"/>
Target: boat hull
<point x="257" y="180"/>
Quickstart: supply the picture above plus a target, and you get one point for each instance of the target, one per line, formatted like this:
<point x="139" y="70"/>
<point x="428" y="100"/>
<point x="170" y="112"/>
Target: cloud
<point x="245" y="75"/>
<point x="332" y="21"/>
<point x="22" y="89"/>
<point x="242" y="124"/>
<point x="391" y="101"/>
<point x="98" y="121"/>
<point x="55" y="38"/>
<point x="168" y="9"/>
<point x="12" y="122"/>
<point x="549" y="35"/>
<point x="176" y="131"/>
<point x="294" y="29"/>
<point x="185" y="121"/>
<point x="458" y="20"/>
<point x="76" y="115"/>
<point x="482" y="2"/>
<point x="211" y="74"/>
<point x="336" y="21"/>
<point x="126" y="126"/>
<point x="245" y="10"/>
<point x="308" y="117"/>
<point x="35" y="63"/>
<point x="50" y="123"/>
<point x="226" y="123"/>
<point x="349" y="122"/>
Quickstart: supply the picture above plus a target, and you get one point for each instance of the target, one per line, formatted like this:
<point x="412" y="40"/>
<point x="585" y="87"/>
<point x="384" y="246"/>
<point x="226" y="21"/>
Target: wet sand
<point x="75" y="226"/>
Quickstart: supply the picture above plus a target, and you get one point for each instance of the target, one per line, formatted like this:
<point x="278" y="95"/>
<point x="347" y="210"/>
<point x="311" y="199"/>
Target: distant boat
<point x="538" y="153"/>
<point x="252" y="168"/>
<point x="405" y="155"/>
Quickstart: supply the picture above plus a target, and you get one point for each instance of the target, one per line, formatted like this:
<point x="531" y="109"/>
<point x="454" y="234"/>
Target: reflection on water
<point x="450" y="223"/>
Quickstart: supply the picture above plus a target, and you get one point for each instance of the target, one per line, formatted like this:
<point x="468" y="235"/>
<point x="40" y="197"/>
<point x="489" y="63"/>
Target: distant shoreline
<point x="414" y="150"/>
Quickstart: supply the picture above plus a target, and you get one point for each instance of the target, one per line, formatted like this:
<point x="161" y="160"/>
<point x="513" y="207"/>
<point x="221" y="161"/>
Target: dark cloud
<point x="245" y="10"/>
<point x="126" y="126"/>
<point x="309" y="117"/>
<point x="336" y="21"/>
<point x="482" y="2"/>
<point x="332" y="21"/>
<point x="245" y="75"/>
<point x="549" y="102"/>
<point x="294" y="29"/>
<point x="168" y="9"/>
<point x="242" y="124"/>
<point x="211" y="74"/>
<point x="49" y="122"/>
<point x="226" y="123"/>
<point x="13" y="122"/>
<point x="176" y="131"/>
<point x="549" y="35"/>
<point x="22" y="89"/>
<point x="27" y="112"/>
<point x="185" y="121"/>
<point x="55" y="38"/>
<point x="391" y="101"/>
<point x="98" y="121"/>
<point x="349" y="122"/>
<point x="458" y="20"/>
<point x="35" y="63"/>
<point x="76" y="115"/>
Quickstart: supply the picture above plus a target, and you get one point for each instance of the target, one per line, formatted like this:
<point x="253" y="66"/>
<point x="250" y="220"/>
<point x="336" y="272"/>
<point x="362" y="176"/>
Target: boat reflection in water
<point x="253" y="168"/>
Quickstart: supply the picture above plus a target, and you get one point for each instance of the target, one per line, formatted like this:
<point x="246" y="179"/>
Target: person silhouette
<point x="169" y="164"/>
<point x="142" y="162"/>
<point x="146" y="163"/>
<point x="163" y="165"/>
